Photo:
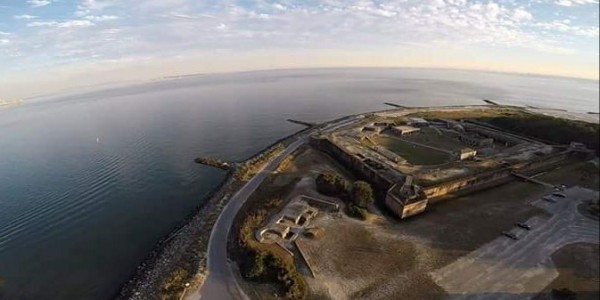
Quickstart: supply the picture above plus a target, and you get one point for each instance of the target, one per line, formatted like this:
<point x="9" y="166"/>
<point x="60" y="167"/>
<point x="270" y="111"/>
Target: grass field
<point x="431" y="137"/>
<point x="414" y="154"/>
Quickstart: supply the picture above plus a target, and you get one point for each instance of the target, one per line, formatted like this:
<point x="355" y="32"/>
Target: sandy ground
<point x="509" y="269"/>
<point x="384" y="258"/>
<point x="578" y="268"/>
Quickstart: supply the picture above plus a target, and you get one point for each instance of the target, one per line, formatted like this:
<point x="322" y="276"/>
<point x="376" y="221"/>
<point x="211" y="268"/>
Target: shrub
<point x="362" y="194"/>
<point x="331" y="184"/>
<point x="563" y="294"/>
<point x="356" y="212"/>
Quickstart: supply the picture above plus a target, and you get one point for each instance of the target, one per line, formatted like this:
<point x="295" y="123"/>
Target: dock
<point x="307" y="124"/>
<point x="215" y="163"/>
<point x="531" y="179"/>
<point x="491" y="102"/>
<point x="394" y="105"/>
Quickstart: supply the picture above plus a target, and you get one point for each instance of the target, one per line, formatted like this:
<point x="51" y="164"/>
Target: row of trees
<point x="357" y="195"/>
<point x="557" y="130"/>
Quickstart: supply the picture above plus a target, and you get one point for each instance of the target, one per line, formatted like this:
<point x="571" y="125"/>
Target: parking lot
<point x="519" y="269"/>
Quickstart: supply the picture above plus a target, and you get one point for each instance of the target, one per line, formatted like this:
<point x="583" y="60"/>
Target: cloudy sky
<point x="48" y="45"/>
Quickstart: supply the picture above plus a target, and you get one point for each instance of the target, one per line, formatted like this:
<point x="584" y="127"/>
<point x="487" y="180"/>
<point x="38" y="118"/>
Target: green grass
<point x="414" y="154"/>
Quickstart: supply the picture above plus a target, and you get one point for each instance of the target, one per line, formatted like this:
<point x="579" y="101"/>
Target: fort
<point x="490" y="157"/>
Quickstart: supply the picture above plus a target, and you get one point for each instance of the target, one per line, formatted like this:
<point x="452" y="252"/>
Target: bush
<point x="331" y="184"/>
<point x="563" y="294"/>
<point x="356" y="212"/>
<point x="362" y="194"/>
<point x="174" y="284"/>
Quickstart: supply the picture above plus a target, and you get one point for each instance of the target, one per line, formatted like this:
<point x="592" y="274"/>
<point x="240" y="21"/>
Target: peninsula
<point x="423" y="202"/>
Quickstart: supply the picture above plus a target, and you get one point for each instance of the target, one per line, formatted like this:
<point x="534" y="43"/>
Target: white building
<point x="405" y="130"/>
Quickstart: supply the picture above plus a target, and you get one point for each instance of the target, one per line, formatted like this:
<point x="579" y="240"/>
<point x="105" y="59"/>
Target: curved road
<point x="221" y="282"/>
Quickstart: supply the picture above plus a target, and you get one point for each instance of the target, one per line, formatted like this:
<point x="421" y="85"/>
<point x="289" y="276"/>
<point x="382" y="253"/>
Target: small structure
<point x="406" y="199"/>
<point x="272" y="233"/>
<point x="372" y="129"/>
<point x="466" y="153"/>
<point x="321" y="204"/>
<point x="454" y="125"/>
<point x="383" y="124"/>
<point x="405" y="130"/>
<point x="581" y="150"/>
<point x="297" y="213"/>
<point x="475" y="141"/>
<point x="418" y="122"/>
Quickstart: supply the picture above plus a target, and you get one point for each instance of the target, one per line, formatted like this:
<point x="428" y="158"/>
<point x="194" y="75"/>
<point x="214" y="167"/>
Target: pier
<point x="394" y="105"/>
<point x="214" y="162"/>
<point x="307" y="124"/>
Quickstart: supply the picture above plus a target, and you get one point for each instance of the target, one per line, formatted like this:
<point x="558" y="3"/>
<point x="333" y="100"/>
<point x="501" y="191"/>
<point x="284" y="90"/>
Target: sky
<point x="47" y="46"/>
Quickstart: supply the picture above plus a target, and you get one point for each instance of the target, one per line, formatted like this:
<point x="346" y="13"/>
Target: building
<point x="372" y="129"/>
<point x="418" y="122"/>
<point x="297" y="213"/>
<point x="406" y="199"/>
<point x="466" y="153"/>
<point x="405" y="130"/>
<point x="475" y="141"/>
<point x="454" y="125"/>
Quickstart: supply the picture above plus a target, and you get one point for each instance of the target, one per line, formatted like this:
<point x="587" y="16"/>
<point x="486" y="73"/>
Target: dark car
<point x="510" y="235"/>
<point x="561" y="195"/>
<point x="549" y="199"/>
<point x="524" y="226"/>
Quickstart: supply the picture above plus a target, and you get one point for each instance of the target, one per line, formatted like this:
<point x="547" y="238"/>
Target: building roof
<point x="467" y="150"/>
<point x="406" y="128"/>
<point x="419" y="120"/>
<point x="295" y="210"/>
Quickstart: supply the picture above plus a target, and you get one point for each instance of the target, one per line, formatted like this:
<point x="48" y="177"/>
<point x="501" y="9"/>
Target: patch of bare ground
<point x="386" y="258"/>
<point x="584" y="174"/>
<point x="462" y="224"/>
<point x="578" y="267"/>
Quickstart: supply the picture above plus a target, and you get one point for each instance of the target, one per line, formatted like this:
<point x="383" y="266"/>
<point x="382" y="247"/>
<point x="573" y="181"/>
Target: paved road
<point x="508" y="269"/>
<point x="221" y="283"/>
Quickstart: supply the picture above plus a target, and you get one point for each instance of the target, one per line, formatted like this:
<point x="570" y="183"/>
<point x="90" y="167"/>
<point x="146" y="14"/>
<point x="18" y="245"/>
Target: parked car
<point x="524" y="226"/>
<point x="549" y="199"/>
<point x="560" y="195"/>
<point x="510" y="235"/>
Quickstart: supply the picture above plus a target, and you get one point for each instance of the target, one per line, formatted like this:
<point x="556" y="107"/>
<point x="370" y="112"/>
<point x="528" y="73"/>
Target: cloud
<point x="575" y="2"/>
<point x="65" y="24"/>
<point x="118" y="29"/>
<point x="4" y="42"/>
<point x="2" y="33"/>
<point x="101" y="18"/>
<point x="189" y="17"/>
<point x="38" y="3"/>
<point x="24" y="17"/>
<point x="564" y="26"/>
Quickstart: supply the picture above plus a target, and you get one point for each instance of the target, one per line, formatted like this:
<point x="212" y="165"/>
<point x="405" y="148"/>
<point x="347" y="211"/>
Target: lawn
<point x="414" y="154"/>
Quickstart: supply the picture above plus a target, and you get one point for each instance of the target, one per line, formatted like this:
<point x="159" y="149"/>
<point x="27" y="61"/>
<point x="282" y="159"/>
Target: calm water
<point x="90" y="182"/>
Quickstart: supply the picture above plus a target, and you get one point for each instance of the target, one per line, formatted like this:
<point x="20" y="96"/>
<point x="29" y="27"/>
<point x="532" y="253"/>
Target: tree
<point x="258" y="266"/>
<point x="362" y="194"/>
<point x="331" y="184"/>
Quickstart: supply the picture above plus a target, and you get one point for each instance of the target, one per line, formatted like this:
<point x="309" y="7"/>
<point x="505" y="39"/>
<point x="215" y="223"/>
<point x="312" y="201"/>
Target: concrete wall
<point x="414" y="208"/>
<point x="355" y="164"/>
<point x="495" y="177"/>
